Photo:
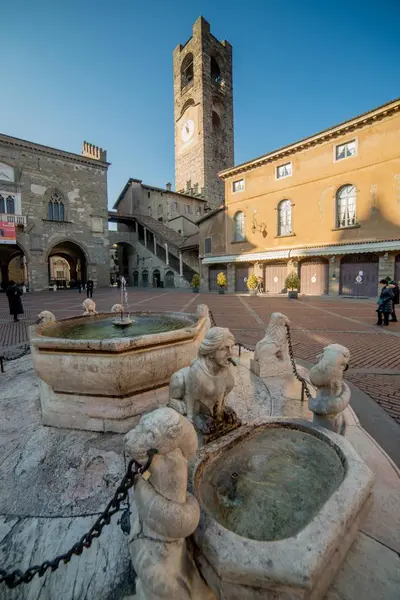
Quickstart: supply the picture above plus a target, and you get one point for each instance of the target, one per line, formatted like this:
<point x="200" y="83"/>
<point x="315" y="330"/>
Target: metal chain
<point x="24" y="351"/>
<point x="15" y="578"/>
<point x="212" y="319"/>
<point x="303" y="382"/>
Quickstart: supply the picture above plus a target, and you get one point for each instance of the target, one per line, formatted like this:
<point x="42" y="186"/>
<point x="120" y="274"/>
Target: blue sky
<point x="102" y="71"/>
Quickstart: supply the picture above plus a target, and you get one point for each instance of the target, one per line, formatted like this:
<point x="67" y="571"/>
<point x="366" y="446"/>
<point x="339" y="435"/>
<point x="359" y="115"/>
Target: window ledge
<point x="54" y="221"/>
<point x="285" y="235"/>
<point x="239" y="241"/>
<point x="356" y="226"/>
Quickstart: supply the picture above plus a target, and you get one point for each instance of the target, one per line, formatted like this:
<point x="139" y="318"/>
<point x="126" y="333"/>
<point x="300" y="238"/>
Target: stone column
<point x="204" y="280"/>
<point x="386" y="265"/>
<point x="334" y="275"/>
<point x="180" y="264"/>
<point x="155" y="245"/>
<point x="26" y="280"/>
<point x="145" y="237"/>
<point x="230" y="276"/>
<point x="166" y="254"/>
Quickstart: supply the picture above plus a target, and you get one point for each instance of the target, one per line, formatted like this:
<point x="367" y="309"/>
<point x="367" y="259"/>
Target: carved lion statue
<point x="45" y="317"/>
<point x="333" y="394"/>
<point x="117" y="308"/>
<point x="89" y="307"/>
<point x="328" y="372"/>
<point x="271" y="355"/>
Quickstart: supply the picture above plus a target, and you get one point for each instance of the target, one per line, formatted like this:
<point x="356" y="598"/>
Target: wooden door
<point x="241" y="276"/>
<point x="145" y="279"/>
<point x="314" y="274"/>
<point x="359" y="275"/>
<point x="275" y="276"/>
<point x="397" y="269"/>
<point x="212" y="276"/>
<point x="169" y="279"/>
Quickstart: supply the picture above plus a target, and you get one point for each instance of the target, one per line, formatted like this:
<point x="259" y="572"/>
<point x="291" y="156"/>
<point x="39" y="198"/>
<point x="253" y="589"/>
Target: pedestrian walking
<point x="260" y="285"/>
<point x="385" y="303"/>
<point x="396" y="298"/>
<point x="89" y="288"/>
<point x="14" y="300"/>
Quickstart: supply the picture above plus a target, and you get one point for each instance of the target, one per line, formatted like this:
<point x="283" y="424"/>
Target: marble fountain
<point x="119" y="373"/>
<point x="253" y="493"/>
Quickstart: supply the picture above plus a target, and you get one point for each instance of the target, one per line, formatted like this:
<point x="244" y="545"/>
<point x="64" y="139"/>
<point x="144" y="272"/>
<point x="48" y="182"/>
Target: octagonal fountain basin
<point x="281" y="503"/>
<point x="99" y="377"/>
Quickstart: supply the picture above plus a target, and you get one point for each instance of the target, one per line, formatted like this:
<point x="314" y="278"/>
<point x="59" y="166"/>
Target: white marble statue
<point x="45" y="317"/>
<point x="333" y="394"/>
<point x="165" y="512"/>
<point x="117" y="308"/>
<point x="271" y="355"/>
<point x="202" y="310"/>
<point x="200" y="391"/>
<point x="89" y="307"/>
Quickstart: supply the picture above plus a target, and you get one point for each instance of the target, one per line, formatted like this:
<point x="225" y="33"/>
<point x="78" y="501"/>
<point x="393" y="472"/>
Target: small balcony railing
<point x="16" y="219"/>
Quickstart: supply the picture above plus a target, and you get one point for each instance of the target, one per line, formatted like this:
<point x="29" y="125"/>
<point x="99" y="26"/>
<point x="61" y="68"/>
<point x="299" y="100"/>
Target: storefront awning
<point x="386" y="246"/>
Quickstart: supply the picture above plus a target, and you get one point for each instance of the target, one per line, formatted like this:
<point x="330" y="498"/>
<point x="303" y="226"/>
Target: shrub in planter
<point x="195" y="283"/>
<point x="221" y="282"/>
<point x="252" y="284"/>
<point x="292" y="283"/>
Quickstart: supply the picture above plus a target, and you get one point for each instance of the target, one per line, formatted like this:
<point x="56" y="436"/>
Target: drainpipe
<point x="155" y="244"/>
<point x="180" y="264"/>
<point x="145" y="237"/>
<point x="166" y="254"/>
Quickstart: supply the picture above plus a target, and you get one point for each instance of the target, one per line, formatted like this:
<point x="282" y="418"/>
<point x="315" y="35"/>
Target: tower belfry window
<point x="215" y="71"/>
<point x="187" y="70"/>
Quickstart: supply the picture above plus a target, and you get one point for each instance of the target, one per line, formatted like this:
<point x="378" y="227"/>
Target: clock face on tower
<point x="187" y="130"/>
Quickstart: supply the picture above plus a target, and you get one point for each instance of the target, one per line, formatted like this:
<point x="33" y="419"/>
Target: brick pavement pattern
<point x="316" y="322"/>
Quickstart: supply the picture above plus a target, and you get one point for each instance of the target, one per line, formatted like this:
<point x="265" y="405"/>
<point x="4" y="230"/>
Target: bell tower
<point x="203" y="113"/>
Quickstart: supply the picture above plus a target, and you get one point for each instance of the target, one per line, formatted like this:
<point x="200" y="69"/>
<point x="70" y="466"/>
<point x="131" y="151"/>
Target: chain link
<point x="303" y="382"/>
<point x="16" y="577"/>
<point x="26" y="350"/>
<point x="212" y="319"/>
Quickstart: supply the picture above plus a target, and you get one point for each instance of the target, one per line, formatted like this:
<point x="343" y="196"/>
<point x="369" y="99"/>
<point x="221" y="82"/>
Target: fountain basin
<point x="96" y="377"/>
<point x="281" y="526"/>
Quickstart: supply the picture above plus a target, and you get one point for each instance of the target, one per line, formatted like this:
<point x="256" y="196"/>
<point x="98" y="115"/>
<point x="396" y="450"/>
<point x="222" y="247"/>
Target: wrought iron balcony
<point x="16" y="219"/>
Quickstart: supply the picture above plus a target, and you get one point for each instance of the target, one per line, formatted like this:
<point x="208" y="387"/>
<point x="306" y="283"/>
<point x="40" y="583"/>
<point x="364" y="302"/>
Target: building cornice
<point x="307" y="251"/>
<point x="345" y="128"/>
<point x="13" y="142"/>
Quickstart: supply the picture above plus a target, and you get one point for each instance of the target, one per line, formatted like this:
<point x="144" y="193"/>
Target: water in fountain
<point x="271" y="484"/>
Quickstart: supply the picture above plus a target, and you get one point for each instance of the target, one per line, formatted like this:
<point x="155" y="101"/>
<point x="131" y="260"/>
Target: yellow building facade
<point x="327" y="207"/>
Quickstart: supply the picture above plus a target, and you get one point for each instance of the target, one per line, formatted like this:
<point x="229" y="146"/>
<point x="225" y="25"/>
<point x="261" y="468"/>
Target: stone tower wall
<point x="211" y="148"/>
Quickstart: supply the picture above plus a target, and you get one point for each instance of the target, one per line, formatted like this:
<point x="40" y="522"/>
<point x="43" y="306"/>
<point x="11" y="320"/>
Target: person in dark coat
<point x="14" y="300"/>
<point x="385" y="303"/>
<point x="89" y="288"/>
<point x="396" y="297"/>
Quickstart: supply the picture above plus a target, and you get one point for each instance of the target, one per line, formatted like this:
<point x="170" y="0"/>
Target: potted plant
<point x="292" y="284"/>
<point x="221" y="282"/>
<point x="252" y="285"/>
<point x="195" y="283"/>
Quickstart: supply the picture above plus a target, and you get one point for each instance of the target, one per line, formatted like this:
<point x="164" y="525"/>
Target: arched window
<point x="284" y="217"/>
<point x="215" y="71"/>
<point x="238" y="227"/>
<point x="187" y="70"/>
<point x="10" y="202"/>
<point x="2" y="204"/>
<point x="55" y="207"/>
<point x="346" y="206"/>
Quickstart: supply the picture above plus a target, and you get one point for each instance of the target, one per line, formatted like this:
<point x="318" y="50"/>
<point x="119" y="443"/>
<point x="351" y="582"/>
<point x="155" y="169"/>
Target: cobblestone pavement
<point x="316" y="322"/>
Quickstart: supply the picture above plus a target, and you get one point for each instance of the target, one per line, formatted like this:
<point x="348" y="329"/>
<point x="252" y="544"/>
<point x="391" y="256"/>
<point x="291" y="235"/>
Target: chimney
<point x="92" y="151"/>
<point x="169" y="186"/>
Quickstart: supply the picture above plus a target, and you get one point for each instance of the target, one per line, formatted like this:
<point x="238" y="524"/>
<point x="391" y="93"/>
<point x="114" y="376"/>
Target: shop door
<point x="314" y="277"/>
<point x="241" y="275"/>
<point x="397" y="269"/>
<point x="145" y="279"/>
<point x="212" y="276"/>
<point x="275" y="276"/>
<point x="359" y="275"/>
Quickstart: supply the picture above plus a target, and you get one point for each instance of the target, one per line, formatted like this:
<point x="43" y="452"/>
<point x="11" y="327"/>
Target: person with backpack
<point x="396" y="297"/>
<point x="385" y="303"/>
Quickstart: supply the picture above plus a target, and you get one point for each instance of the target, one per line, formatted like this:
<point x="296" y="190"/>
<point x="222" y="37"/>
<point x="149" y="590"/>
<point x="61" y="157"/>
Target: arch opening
<point x="187" y="71"/>
<point x="66" y="265"/>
